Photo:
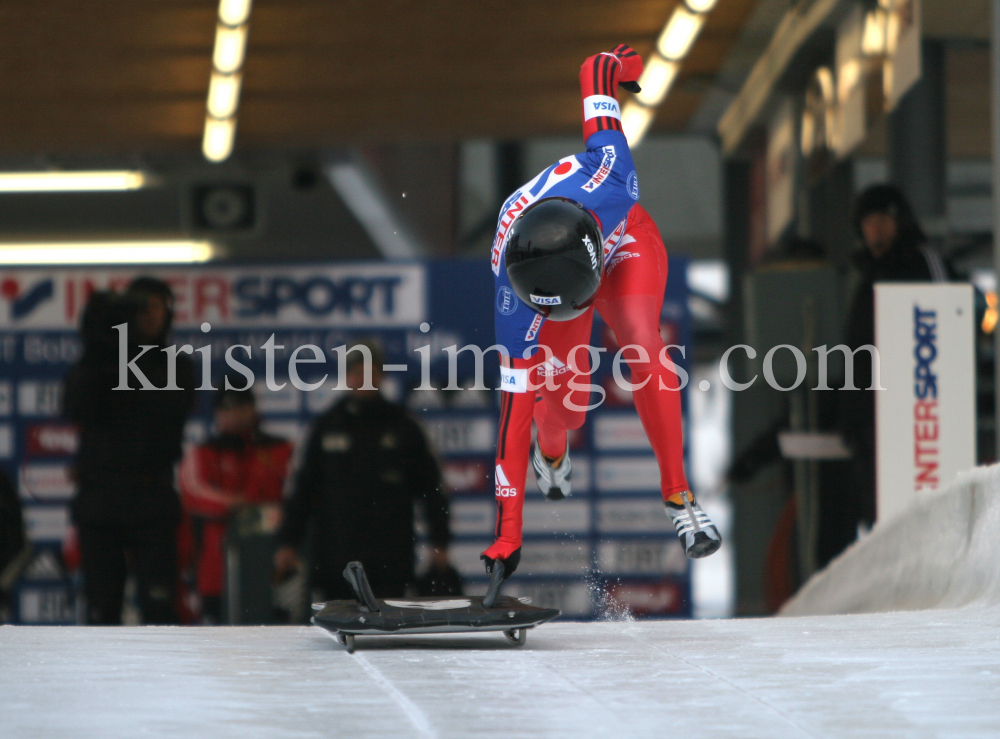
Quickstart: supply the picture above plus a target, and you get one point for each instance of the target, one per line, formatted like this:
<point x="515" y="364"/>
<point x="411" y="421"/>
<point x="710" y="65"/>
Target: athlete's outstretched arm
<point x="600" y="76"/>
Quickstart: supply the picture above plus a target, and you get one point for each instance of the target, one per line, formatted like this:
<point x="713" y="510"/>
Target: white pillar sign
<point x="926" y="416"/>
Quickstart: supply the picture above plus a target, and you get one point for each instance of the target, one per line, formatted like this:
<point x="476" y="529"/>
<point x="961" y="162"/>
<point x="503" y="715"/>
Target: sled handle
<point x="493" y="591"/>
<point x="356" y="578"/>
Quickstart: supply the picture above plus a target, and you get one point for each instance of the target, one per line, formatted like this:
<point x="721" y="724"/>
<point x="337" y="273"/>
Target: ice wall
<point x="943" y="552"/>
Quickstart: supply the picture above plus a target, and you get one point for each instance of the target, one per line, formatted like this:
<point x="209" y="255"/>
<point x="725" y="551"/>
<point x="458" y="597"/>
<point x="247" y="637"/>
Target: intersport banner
<point x="926" y="415"/>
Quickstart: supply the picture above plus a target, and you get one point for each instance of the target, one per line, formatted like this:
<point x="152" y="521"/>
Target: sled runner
<point x="373" y="616"/>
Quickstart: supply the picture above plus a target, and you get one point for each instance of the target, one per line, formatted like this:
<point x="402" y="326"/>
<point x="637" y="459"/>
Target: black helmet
<point x="555" y="258"/>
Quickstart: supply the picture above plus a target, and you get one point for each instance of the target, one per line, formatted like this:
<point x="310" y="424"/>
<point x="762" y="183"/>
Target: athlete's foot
<point x="552" y="475"/>
<point x="697" y="533"/>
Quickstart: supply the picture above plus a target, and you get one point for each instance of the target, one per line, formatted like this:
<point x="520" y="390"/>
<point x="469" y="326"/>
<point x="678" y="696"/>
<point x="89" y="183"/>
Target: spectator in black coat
<point x="895" y="250"/>
<point x="130" y="440"/>
<point x="363" y="465"/>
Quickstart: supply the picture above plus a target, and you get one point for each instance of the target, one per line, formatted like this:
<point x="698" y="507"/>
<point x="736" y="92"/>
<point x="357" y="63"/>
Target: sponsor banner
<point x="477" y="517"/>
<point x="619" y="431"/>
<point x="642" y="557"/>
<point x="473" y="516"/>
<point x="39" y="398"/>
<point x="573" y="599"/>
<point x="633" y="516"/>
<point x="626" y="474"/>
<point x="538" y="558"/>
<point x="46" y="523"/>
<point x="581" y="476"/>
<point x="50" y="440"/>
<point x="45" y="482"/>
<point x="45" y="567"/>
<point x="556" y="558"/>
<point x="456" y="435"/>
<point x="663" y="598"/>
<point x="926" y="416"/>
<point x="465" y="477"/>
<point x="370" y="295"/>
<point x="45" y="605"/>
<point x="565" y="517"/>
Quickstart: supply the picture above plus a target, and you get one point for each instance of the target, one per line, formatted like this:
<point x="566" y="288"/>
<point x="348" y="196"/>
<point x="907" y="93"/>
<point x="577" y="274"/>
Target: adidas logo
<point x="504" y="489"/>
<point x="552" y="367"/>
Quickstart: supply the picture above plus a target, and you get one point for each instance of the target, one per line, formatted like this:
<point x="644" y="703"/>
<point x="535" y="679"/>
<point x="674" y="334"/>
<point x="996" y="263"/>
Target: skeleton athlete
<point x="572" y="240"/>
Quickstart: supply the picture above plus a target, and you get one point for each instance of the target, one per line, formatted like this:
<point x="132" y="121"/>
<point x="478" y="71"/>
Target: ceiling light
<point x="635" y="120"/>
<point x="71" y="181"/>
<point x="218" y="142"/>
<point x="873" y="40"/>
<point x="223" y="95"/>
<point x="700" y="6"/>
<point x="230" y="45"/>
<point x="234" y="12"/>
<point x="107" y="252"/>
<point x="656" y="79"/>
<point x="680" y="33"/>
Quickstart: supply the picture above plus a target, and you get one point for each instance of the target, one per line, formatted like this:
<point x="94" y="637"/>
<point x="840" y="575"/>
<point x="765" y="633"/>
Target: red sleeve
<point x="513" y="449"/>
<point x="598" y="87"/>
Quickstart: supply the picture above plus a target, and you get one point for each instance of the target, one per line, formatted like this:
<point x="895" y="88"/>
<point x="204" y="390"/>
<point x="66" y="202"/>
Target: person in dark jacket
<point x="126" y="504"/>
<point x="363" y="465"/>
<point x="895" y="250"/>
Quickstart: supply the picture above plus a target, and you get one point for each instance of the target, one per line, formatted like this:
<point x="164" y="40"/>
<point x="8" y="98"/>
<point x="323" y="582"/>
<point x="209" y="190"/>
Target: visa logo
<point x="612" y="107"/>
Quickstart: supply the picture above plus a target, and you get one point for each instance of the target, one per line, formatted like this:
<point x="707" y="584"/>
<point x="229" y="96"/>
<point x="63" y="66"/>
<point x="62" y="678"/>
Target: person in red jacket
<point x="238" y="467"/>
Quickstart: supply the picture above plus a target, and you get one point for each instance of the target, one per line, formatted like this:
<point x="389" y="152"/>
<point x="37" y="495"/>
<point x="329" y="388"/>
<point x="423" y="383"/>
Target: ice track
<point x="917" y="674"/>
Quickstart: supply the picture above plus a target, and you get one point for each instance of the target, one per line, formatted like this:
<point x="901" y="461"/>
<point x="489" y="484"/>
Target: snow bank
<point x="943" y="552"/>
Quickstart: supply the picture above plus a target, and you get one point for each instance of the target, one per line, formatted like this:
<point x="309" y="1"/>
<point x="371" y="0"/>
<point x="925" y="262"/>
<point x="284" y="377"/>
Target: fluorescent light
<point x="234" y="12"/>
<point x="848" y="77"/>
<point x="218" y="142"/>
<point x="223" y="95"/>
<point x="106" y="252"/>
<point x="230" y="45"/>
<point x="680" y="33"/>
<point x="873" y="40"/>
<point x="71" y="181"/>
<point x="635" y="120"/>
<point x="701" y="6"/>
<point x="656" y="79"/>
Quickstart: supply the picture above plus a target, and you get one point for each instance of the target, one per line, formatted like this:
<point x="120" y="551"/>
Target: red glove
<point x="600" y="76"/>
<point x="631" y="67"/>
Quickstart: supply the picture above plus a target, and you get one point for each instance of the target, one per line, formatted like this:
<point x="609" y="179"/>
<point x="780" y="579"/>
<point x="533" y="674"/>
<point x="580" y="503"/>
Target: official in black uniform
<point x="364" y="464"/>
<point x="895" y="250"/>
<point x="126" y="503"/>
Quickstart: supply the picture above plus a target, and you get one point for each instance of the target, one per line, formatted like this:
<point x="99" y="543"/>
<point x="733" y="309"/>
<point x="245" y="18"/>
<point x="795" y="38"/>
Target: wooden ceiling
<point x="130" y="76"/>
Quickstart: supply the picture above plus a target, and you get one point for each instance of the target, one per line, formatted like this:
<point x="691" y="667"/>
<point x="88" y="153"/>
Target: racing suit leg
<point x="563" y="394"/>
<point x="630" y="301"/>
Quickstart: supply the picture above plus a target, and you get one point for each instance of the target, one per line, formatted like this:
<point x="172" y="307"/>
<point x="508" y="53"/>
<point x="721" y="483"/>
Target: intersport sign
<point x="331" y="296"/>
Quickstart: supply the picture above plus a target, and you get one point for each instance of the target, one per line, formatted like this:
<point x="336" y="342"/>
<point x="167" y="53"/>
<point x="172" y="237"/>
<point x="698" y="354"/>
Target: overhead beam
<point x="794" y="30"/>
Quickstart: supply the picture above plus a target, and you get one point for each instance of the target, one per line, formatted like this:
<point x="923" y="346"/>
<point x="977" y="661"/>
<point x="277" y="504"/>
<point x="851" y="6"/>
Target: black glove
<point x="509" y="564"/>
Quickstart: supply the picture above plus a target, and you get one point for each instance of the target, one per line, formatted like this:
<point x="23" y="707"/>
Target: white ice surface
<point x="942" y="552"/>
<point x="916" y="674"/>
